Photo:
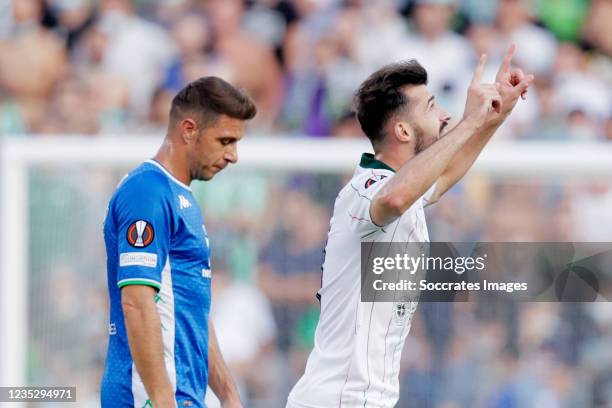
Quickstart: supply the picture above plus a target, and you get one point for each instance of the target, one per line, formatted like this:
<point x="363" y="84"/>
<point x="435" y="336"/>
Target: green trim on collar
<point x="369" y="162"/>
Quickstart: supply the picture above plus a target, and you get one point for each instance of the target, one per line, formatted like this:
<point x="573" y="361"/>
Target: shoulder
<point x="146" y="183"/>
<point x="144" y="189"/>
<point x="367" y="180"/>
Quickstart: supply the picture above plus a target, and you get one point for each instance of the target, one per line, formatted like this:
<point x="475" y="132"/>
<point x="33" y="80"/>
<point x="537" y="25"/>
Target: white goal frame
<point x="525" y="160"/>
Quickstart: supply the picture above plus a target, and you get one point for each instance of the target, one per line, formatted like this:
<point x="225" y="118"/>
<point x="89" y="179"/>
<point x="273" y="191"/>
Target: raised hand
<point x="484" y="102"/>
<point x="512" y="82"/>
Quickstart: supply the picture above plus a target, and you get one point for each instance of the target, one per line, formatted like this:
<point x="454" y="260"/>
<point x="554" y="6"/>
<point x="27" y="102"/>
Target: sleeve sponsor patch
<point x="145" y="259"/>
<point x="140" y="234"/>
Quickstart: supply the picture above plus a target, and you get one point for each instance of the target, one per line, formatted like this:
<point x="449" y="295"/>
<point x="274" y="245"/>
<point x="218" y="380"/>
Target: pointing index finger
<point x="479" y="69"/>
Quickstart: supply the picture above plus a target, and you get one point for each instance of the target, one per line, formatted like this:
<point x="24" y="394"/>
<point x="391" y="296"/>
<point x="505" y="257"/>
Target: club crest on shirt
<point x="140" y="234"/>
<point x="374" y="179"/>
<point x="403" y="311"/>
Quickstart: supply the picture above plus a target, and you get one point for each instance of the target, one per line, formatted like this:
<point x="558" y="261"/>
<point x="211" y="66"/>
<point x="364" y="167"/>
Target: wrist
<point x="498" y="120"/>
<point x="231" y="396"/>
<point x="470" y="124"/>
<point x="228" y="395"/>
<point x="163" y="398"/>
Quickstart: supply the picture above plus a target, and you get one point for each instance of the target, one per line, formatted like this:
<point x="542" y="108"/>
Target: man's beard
<point x="199" y="174"/>
<point x="420" y="136"/>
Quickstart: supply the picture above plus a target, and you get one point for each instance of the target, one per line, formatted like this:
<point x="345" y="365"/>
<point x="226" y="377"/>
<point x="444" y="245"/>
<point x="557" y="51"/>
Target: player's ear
<point x="189" y="130"/>
<point x="402" y="132"/>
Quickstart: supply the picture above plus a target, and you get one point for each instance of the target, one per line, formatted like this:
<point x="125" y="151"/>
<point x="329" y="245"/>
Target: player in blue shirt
<point x="162" y="349"/>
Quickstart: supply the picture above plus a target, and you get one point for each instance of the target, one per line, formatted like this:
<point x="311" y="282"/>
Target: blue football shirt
<point x="155" y="235"/>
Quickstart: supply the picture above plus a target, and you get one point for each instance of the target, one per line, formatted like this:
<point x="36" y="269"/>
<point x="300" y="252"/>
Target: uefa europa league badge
<point x="140" y="234"/>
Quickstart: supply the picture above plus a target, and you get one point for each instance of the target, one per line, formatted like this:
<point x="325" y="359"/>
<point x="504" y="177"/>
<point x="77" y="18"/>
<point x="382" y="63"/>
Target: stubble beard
<point x="420" y="136"/>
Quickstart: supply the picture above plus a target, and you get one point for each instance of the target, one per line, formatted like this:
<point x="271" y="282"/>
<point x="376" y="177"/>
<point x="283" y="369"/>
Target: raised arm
<point x="219" y="376"/>
<point x="144" y="333"/>
<point x="418" y="174"/>
<point x="511" y="84"/>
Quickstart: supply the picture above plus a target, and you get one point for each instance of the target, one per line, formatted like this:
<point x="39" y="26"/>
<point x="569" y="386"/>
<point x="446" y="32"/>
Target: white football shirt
<point x="355" y="361"/>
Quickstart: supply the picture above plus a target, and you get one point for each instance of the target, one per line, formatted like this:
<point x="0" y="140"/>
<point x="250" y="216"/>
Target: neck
<point x="394" y="157"/>
<point x="173" y="161"/>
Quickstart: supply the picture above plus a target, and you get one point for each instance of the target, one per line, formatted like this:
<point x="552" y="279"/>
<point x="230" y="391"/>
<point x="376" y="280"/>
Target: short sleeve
<point x="361" y="193"/>
<point x="143" y="218"/>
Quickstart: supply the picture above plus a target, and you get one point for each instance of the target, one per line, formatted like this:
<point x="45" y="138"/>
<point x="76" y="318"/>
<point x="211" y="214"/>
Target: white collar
<point x="167" y="173"/>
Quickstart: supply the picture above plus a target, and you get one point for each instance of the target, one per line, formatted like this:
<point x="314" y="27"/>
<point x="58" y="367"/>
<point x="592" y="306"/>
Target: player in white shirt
<point x="355" y="361"/>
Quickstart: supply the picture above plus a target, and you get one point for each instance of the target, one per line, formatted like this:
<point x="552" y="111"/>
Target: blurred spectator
<point x="535" y="47"/>
<point x="159" y="110"/>
<point x="446" y="55"/>
<point x="597" y="28"/>
<point x="253" y="65"/>
<point x="70" y="96"/>
<point x="191" y="34"/>
<point x="246" y="332"/>
<point x="290" y="269"/>
<point x="133" y="49"/>
<point x="590" y="209"/>
<point x="70" y="19"/>
<point x="33" y="60"/>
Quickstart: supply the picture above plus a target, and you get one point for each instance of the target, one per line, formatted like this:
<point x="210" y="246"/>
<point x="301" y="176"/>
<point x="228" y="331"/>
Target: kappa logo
<point x="373" y="180"/>
<point x="183" y="202"/>
<point x="140" y="234"/>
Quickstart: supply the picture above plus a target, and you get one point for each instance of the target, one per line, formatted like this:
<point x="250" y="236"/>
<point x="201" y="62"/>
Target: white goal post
<point x="524" y="160"/>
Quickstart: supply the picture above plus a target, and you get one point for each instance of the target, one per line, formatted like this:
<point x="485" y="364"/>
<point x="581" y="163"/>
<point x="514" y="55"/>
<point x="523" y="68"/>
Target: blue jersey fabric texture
<point x="154" y="235"/>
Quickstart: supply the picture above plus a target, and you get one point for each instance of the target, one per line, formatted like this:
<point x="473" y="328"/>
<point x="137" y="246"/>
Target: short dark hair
<point x="209" y="97"/>
<point x="380" y="96"/>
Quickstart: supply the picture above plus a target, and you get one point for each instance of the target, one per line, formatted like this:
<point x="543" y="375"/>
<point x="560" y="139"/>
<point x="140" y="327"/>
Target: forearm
<point x="144" y="332"/>
<point x="464" y="159"/>
<point x="417" y="175"/>
<point x="219" y="376"/>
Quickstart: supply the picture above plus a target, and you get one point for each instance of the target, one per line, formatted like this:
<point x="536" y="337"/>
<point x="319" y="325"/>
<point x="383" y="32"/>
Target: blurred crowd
<point x="78" y="66"/>
<point x="90" y="67"/>
<point x="268" y="232"/>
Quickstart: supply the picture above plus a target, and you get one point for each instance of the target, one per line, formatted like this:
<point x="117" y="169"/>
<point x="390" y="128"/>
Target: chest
<point x="189" y="244"/>
<point x="412" y="226"/>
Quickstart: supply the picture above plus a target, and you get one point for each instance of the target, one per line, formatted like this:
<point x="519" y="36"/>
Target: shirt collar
<point x="368" y="161"/>
<point x="167" y="173"/>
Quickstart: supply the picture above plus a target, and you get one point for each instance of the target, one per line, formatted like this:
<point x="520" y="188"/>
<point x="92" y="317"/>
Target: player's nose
<point x="445" y="116"/>
<point x="231" y="155"/>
